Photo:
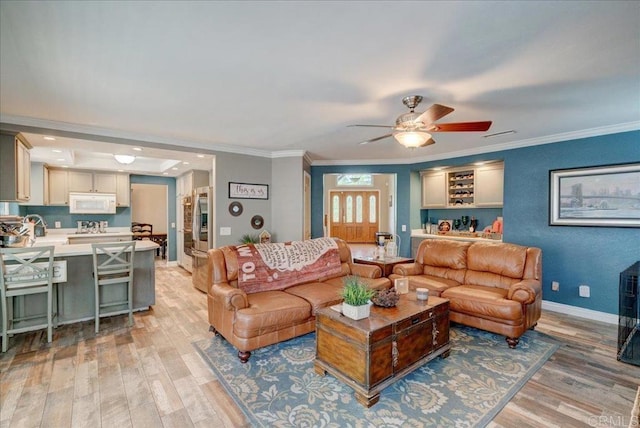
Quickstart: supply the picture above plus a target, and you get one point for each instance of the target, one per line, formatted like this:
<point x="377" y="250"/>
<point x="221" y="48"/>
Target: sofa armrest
<point x="366" y="271"/>
<point x="525" y="291"/>
<point x="231" y="297"/>
<point x="407" y="269"/>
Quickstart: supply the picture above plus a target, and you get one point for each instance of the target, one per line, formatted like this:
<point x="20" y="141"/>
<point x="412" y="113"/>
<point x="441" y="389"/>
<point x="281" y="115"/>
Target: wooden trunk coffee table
<point x="370" y="354"/>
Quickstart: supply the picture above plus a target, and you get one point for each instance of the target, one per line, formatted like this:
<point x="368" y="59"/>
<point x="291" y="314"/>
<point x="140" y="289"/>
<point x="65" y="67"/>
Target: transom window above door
<point x="355" y="180"/>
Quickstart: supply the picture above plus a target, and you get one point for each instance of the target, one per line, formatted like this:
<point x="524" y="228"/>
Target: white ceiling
<point x="270" y="78"/>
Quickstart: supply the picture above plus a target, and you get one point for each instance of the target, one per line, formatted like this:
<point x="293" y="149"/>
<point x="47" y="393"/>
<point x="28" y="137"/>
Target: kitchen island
<point x="75" y="292"/>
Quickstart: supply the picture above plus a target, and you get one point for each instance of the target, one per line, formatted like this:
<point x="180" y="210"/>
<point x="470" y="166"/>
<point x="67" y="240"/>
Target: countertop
<point x="59" y="237"/>
<point x="62" y="250"/>
<point x="419" y="233"/>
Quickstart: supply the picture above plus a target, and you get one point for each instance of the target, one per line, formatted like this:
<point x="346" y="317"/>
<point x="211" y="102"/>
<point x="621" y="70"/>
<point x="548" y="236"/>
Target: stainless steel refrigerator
<point x="202" y="234"/>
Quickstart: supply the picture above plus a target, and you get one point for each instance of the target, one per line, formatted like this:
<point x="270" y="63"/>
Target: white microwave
<point x="92" y="203"/>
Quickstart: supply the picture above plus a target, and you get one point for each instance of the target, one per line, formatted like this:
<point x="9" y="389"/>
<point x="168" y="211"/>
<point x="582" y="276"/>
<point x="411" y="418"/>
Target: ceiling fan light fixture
<point x="124" y="159"/>
<point x="412" y="139"/>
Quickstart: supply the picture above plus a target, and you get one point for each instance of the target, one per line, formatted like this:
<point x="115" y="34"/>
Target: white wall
<point x="149" y="205"/>
<point x="287" y="204"/>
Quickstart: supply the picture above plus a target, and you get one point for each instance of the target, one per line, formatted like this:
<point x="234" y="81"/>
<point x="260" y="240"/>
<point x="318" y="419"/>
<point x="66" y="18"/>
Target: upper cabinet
<point x="434" y="193"/>
<point x="15" y="164"/>
<point x="62" y="181"/>
<point x="464" y="187"/>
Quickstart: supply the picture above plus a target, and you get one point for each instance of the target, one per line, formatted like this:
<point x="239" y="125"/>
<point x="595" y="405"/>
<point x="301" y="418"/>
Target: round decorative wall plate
<point x="257" y="222"/>
<point x="235" y="209"/>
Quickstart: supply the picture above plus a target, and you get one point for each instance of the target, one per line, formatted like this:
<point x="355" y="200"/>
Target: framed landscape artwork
<point x="596" y="196"/>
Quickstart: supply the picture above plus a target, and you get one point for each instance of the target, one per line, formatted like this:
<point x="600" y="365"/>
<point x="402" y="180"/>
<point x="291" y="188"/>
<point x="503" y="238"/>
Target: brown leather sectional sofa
<point x="492" y="286"/>
<point x="251" y="321"/>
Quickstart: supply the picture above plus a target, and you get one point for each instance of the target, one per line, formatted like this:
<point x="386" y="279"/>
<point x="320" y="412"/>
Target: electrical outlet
<point x="584" y="291"/>
<point x="57" y="225"/>
<point x="404" y="227"/>
<point x="555" y="286"/>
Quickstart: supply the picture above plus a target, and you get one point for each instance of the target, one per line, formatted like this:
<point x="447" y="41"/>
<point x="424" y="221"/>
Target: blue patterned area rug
<point x="278" y="387"/>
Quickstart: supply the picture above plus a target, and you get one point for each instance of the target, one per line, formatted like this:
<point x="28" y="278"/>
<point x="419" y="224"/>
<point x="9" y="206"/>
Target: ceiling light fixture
<point x="124" y="159"/>
<point x="413" y="139"/>
<point x="49" y="138"/>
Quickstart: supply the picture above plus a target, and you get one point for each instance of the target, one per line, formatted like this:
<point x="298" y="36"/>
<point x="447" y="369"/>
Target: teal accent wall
<point x="572" y="256"/>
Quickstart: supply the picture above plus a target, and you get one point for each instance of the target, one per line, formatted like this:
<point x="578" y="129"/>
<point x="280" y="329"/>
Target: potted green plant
<point x="248" y="238"/>
<point x="356" y="295"/>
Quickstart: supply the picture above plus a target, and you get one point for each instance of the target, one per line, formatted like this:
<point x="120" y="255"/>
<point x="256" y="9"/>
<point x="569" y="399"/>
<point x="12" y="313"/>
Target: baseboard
<point x="580" y="312"/>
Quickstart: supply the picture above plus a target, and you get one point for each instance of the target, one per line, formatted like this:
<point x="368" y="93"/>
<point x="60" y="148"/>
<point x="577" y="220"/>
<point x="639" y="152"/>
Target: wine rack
<point x="461" y="188"/>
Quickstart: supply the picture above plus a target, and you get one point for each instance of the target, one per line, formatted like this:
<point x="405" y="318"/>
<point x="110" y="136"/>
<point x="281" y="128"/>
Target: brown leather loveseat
<point x="273" y="310"/>
<point x="492" y="286"/>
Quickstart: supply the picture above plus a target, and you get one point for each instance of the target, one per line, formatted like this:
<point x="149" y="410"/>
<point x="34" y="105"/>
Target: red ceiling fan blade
<point x="372" y="140"/>
<point x="433" y="113"/>
<point x="460" y="126"/>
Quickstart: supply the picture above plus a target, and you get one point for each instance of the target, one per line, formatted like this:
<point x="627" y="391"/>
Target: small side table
<point x="386" y="263"/>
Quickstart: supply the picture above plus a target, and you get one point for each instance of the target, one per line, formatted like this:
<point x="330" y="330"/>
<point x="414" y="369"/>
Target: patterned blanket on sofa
<point x="279" y="265"/>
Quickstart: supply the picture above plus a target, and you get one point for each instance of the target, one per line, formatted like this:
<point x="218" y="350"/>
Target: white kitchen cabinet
<point x="489" y="187"/>
<point x="123" y="190"/>
<point x="15" y="164"/>
<point x="105" y="182"/>
<point x="37" y="182"/>
<point x="58" y="186"/>
<point x="434" y="193"/>
<point x="62" y="181"/>
<point x="80" y="181"/>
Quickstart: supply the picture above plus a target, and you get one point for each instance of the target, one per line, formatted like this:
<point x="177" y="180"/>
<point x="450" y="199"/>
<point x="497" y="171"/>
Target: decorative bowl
<point x="386" y="298"/>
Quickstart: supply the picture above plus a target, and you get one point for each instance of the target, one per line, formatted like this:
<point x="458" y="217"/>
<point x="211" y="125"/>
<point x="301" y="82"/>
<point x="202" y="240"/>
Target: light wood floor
<point x="151" y="376"/>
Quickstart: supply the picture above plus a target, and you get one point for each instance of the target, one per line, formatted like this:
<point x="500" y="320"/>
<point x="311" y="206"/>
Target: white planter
<point x="356" y="312"/>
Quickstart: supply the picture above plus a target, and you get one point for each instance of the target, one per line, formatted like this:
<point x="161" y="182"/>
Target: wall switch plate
<point x="57" y="225"/>
<point x="555" y="286"/>
<point x="225" y="231"/>
<point x="404" y="227"/>
<point x="584" y="291"/>
<point x="173" y="225"/>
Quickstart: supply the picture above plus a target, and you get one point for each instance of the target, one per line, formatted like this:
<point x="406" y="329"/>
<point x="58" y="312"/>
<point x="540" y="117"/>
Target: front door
<point x="354" y="215"/>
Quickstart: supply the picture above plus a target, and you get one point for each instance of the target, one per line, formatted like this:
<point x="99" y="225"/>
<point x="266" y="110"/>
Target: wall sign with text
<point x="248" y="191"/>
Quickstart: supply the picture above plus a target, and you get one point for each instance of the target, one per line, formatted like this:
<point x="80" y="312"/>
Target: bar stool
<point x="113" y="266"/>
<point x="25" y="271"/>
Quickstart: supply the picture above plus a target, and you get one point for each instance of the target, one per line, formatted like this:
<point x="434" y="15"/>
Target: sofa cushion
<point x="270" y="311"/>
<point x="318" y="294"/>
<point x="433" y="283"/>
<point x="484" y="302"/>
<point x="444" y="253"/>
<point x="499" y="258"/>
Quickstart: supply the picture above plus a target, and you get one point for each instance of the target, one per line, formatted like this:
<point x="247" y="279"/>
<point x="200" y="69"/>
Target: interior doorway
<point x="149" y="205"/>
<point x="356" y="206"/>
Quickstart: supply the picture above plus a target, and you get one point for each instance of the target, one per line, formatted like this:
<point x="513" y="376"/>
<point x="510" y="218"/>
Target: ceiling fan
<point x="414" y="129"/>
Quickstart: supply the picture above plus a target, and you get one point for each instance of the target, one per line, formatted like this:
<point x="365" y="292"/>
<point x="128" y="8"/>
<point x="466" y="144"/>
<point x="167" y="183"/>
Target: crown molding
<point x="73" y="130"/>
<point x="549" y="139"/>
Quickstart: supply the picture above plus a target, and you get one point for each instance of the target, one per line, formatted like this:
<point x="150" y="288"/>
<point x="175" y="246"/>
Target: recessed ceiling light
<point x="174" y="168"/>
<point x="165" y="173"/>
<point x="121" y="170"/>
<point x="65" y="166"/>
<point x="60" y="160"/>
<point x="56" y="151"/>
<point x="49" y="138"/>
<point x="200" y="156"/>
<point x="479" y="163"/>
<point x="137" y="149"/>
<point x="185" y="163"/>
